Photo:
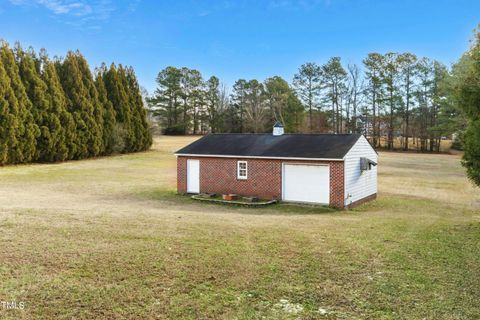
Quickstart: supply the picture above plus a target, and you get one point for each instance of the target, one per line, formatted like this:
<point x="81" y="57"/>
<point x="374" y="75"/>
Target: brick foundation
<point x="219" y="175"/>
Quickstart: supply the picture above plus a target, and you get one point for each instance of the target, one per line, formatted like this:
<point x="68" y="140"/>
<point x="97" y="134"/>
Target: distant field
<point x="109" y="239"/>
<point x="413" y="144"/>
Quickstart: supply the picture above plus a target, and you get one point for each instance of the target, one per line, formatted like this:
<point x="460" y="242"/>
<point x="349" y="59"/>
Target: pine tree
<point x="213" y="104"/>
<point x="22" y="148"/>
<point x="307" y="83"/>
<point x="236" y="115"/>
<point x="109" y="112"/>
<point x="283" y="104"/>
<point x="334" y="77"/>
<point x="88" y="142"/>
<point x="166" y="101"/>
<point x="66" y="143"/>
<point x="374" y="92"/>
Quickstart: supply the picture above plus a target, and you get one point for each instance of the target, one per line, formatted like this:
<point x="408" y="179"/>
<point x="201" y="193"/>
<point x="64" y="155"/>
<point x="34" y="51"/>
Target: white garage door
<point x="306" y="183"/>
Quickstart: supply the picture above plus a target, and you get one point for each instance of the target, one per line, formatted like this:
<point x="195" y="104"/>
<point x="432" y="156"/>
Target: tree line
<point x="56" y="109"/>
<point x="394" y="99"/>
<point x="185" y="103"/>
<point x="391" y="97"/>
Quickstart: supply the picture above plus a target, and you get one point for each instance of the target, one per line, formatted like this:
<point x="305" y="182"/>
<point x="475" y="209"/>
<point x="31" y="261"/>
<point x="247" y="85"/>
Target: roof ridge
<point x="287" y="134"/>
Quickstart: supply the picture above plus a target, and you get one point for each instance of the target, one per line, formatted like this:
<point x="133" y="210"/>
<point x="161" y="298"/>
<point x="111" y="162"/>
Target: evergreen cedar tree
<point x="66" y="147"/>
<point x="50" y="144"/>
<point x="108" y="112"/>
<point x="20" y="128"/>
<point x="57" y="110"/>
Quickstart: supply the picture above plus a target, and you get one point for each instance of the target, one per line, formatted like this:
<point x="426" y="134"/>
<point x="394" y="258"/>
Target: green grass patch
<point x="110" y="239"/>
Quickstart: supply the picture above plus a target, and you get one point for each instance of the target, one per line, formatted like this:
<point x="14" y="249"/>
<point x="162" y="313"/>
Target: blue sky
<point x="238" y="39"/>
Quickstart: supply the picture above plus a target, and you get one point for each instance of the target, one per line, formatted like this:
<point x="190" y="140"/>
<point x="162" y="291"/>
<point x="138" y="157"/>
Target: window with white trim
<point x="242" y="170"/>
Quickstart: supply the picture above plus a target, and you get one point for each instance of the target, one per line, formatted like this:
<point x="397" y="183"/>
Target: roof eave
<point x="256" y="157"/>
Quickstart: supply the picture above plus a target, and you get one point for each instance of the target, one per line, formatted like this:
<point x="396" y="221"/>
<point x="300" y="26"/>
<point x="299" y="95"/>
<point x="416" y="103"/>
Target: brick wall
<point x="182" y="175"/>
<point x="219" y="175"/>
<point x="337" y="182"/>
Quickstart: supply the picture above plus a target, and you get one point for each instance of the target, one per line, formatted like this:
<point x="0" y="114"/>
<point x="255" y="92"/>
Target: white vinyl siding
<point x="360" y="184"/>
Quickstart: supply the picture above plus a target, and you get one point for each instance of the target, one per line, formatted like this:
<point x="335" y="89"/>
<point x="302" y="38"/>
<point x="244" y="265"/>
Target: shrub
<point x="173" y="131"/>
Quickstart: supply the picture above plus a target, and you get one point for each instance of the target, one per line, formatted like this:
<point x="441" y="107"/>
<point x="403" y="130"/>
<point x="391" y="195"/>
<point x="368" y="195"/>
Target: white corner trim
<point x="254" y="157"/>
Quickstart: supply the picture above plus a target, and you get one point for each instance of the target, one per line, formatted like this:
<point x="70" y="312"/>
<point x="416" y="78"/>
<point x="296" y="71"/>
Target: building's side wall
<point x="182" y="174"/>
<point x="219" y="175"/>
<point x="362" y="201"/>
<point x="358" y="184"/>
<point x="337" y="184"/>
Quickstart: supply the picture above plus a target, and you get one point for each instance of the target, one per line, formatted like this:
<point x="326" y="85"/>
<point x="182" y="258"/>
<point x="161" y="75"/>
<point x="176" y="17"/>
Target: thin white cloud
<point x="77" y="13"/>
<point x="297" y="4"/>
<point x="133" y="5"/>
<point x="61" y="7"/>
<point x="86" y="10"/>
<point x="280" y="4"/>
<point x="203" y="13"/>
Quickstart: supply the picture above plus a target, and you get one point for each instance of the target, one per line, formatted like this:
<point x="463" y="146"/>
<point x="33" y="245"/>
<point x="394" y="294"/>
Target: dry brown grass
<point x="414" y="144"/>
<point x="108" y="238"/>
<point x="437" y="177"/>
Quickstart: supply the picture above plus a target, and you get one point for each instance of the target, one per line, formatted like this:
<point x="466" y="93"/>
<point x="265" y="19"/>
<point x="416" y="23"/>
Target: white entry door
<point x="193" y="176"/>
<point x="306" y="183"/>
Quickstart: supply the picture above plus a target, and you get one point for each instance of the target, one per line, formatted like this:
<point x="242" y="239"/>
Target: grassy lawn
<point x="109" y="239"/>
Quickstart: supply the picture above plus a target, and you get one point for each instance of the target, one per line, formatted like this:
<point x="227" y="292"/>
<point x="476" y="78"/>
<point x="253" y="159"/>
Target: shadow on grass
<point x="387" y="204"/>
<point x="406" y="205"/>
<point x="170" y="196"/>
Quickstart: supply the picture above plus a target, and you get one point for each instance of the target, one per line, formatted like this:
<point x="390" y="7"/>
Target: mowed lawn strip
<point x="109" y="238"/>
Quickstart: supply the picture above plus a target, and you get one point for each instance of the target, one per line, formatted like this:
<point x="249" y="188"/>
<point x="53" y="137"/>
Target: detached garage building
<point x="339" y="170"/>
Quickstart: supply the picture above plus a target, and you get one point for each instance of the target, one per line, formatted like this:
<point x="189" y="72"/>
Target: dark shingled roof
<point x="319" y="146"/>
<point x="278" y="124"/>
